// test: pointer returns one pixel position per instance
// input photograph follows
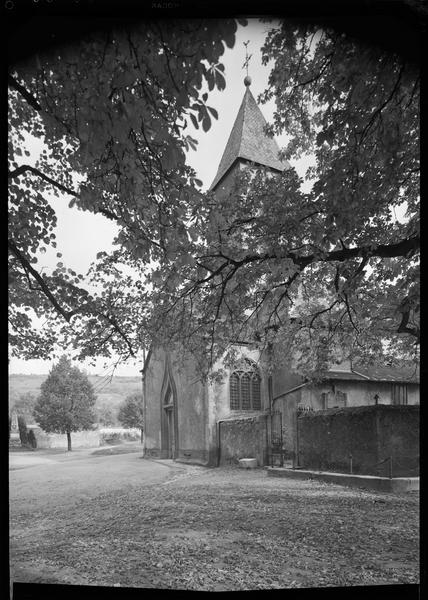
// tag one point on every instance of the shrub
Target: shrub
(32, 440)
(111, 436)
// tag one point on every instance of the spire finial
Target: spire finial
(247, 80)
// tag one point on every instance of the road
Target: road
(43, 478)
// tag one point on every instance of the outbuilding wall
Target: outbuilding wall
(370, 434)
(358, 393)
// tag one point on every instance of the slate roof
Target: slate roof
(403, 374)
(344, 376)
(386, 374)
(248, 141)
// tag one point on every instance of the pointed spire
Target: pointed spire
(248, 140)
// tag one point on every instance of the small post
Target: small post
(390, 467)
(350, 464)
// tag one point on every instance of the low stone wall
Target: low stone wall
(79, 439)
(371, 434)
(243, 438)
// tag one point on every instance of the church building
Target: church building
(183, 413)
(211, 423)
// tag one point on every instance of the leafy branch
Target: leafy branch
(25, 168)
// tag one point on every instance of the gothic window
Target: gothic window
(245, 387)
(245, 391)
(257, 401)
(234, 391)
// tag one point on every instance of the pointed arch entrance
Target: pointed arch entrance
(169, 415)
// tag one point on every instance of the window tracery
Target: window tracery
(245, 386)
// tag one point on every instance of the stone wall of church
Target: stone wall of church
(192, 412)
(283, 380)
(219, 403)
(190, 443)
(226, 186)
(151, 403)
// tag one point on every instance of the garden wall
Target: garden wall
(371, 434)
(243, 438)
(79, 439)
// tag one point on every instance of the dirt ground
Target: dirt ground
(122, 520)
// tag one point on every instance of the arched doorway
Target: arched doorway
(169, 421)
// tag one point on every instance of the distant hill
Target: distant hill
(109, 393)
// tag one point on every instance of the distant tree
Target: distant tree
(106, 417)
(24, 405)
(66, 401)
(130, 412)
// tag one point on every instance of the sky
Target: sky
(81, 235)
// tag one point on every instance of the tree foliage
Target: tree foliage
(112, 110)
(316, 274)
(66, 400)
(130, 412)
(324, 274)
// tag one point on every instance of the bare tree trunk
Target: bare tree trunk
(68, 441)
(141, 440)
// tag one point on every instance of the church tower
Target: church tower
(247, 143)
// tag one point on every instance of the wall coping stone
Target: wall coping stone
(382, 484)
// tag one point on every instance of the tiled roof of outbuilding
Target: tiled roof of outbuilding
(344, 376)
(376, 373)
(248, 141)
(408, 374)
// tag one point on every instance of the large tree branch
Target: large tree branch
(403, 248)
(405, 328)
(24, 168)
(43, 286)
(24, 93)
(112, 320)
(378, 111)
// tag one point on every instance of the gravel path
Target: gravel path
(188, 527)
